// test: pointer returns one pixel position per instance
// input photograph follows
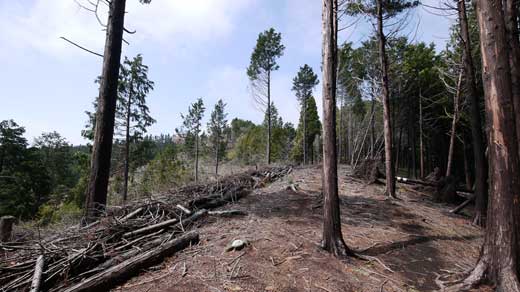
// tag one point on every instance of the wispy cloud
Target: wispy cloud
(38, 25)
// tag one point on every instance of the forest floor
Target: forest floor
(412, 243)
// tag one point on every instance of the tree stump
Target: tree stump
(6, 228)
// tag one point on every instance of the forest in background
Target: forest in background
(47, 179)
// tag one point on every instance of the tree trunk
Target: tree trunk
(127, 145)
(372, 128)
(305, 130)
(268, 117)
(96, 196)
(332, 236)
(481, 167)
(511, 19)
(216, 157)
(498, 262)
(454, 124)
(421, 143)
(197, 155)
(387, 123)
(6, 228)
(467, 172)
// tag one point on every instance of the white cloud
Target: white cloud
(39, 24)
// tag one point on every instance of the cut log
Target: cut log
(183, 209)
(167, 223)
(227, 213)
(132, 214)
(106, 279)
(463, 205)
(37, 276)
(6, 228)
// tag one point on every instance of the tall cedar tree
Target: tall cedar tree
(96, 195)
(499, 256)
(268, 48)
(332, 240)
(192, 129)
(313, 130)
(383, 10)
(303, 84)
(132, 110)
(481, 168)
(217, 128)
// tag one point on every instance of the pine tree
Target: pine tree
(305, 139)
(303, 84)
(268, 48)
(133, 114)
(217, 128)
(191, 130)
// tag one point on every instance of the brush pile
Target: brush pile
(98, 256)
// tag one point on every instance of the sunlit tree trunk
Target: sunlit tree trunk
(332, 240)
(481, 167)
(498, 262)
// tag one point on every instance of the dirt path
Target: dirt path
(413, 241)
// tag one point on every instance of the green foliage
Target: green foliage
(249, 148)
(66, 212)
(313, 130)
(191, 128)
(164, 171)
(134, 86)
(24, 181)
(131, 108)
(217, 129)
(390, 7)
(304, 83)
(268, 48)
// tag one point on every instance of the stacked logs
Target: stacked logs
(98, 256)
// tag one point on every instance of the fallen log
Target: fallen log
(183, 209)
(118, 273)
(227, 213)
(37, 276)
(463, 205)
(167, 223)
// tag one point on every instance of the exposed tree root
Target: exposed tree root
(338, 248)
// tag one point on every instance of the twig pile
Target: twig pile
(105, 252)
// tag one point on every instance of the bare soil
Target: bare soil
(412, 244)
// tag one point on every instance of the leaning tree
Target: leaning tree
(96, 196)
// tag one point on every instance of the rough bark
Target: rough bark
(481, 167)
(96, 196)
(332, 240)
(387, 123)
(511, 19)
(498, 262)
(6, 228)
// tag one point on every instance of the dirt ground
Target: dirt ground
(411, 243)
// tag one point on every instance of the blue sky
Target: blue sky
(195, 48)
